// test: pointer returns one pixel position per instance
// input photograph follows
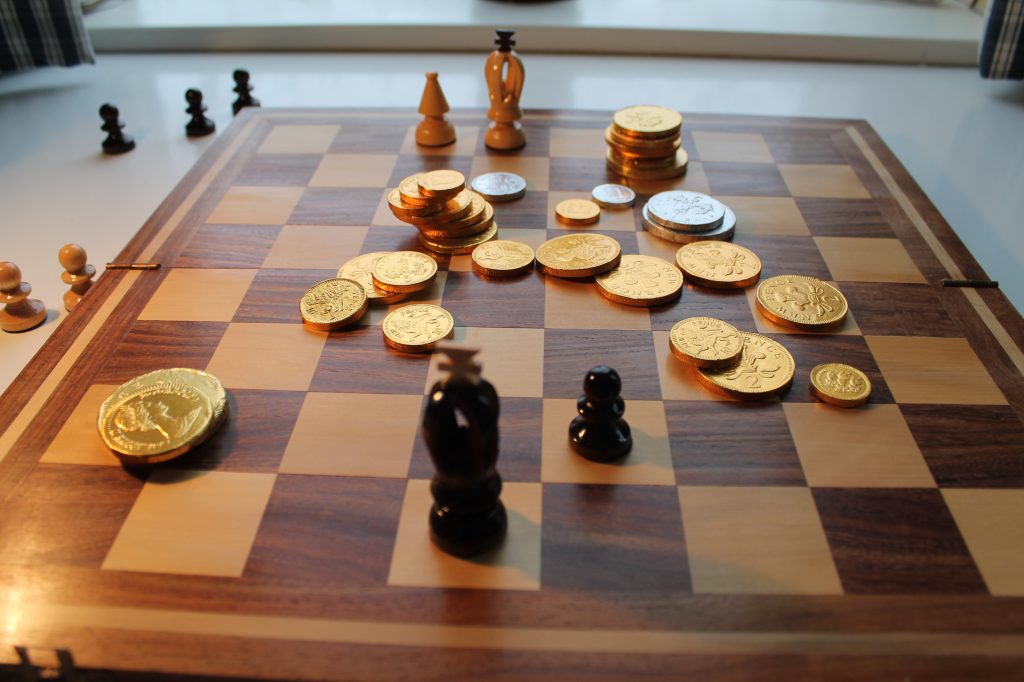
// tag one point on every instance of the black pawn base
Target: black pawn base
(125, 144)
(600, 442)
(467, 536)
(240, 104)
(200, 128)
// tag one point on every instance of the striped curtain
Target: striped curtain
(1002, 52)
(42, 33)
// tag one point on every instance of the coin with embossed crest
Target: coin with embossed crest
(332, 304)
(719, 264)
(577, 212)
(705, 342)
(578, 255)
(416, 328)
(499, 186)
(684, 210)
(801, 302)
(644, 120)
(644, 281)
(840, 384)
(613, 196)
(765, 368)
(403, 272)
(502, 258)
(358, 269)
(441, 183)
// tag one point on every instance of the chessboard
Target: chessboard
(784, 539)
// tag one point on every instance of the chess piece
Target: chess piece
(244, 90)
(117, 141)
(199, 125)
(505, 75)
(460, 428)
(20, 313)
(435, 130)
(599, 432)
(77, 273)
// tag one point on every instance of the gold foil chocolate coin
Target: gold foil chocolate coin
(839, 384)
(800, 302)
(403, 272)
(358, 269)
(502, 258)
(409, 191)
(578, 255)
(441, 183)
(719, 264)
(416, 328)
(458, 245)
(765, 368)
(333, 303)
(577, 212)
(641, 281)
(404, 211)
(644, 120)
(706, 342)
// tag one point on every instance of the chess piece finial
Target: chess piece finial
(77, 273)
(244, 90)
(117, 142)
(599, 432)
(505, 76)
(199, 125)
(460, 428)
(20, 312)
(435, 130)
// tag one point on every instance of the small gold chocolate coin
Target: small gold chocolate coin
(404, 211)
(441, 183)
(416, 328)
(403, 272)
(800, 302)
(643, 281)
(644, 120)
(718, 264)
(332, 304)
(578, 255)
(706, 342)
(459, 245)
(840, 384)
(577, 212)
(358, 269)
(765, 368)
(502, 258)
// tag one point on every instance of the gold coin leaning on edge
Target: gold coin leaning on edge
(644, 281)
(417, 327)
(706, 342)
(578, 255)
(765, 368)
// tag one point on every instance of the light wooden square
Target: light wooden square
(862, 259)
(256, 206)
(514, 565)
(738, 147)
(756, 540)
(200, 295)
(311, 247)
(823, 180)
(648, 463)
(382, 215)
(78, 441)
(354, 170)
(577, 143)
(512, 359)
(936, 371)
(610, 219)
(534, 169)
(465, 143)
(575, 304)
(677, 378)
(192, 522)
(327, 441)
(433, 294)
(767, 216)
(992, 524)
(849, 327)
(276, 357)
(301, 139)
(869, 447)
(695, 180)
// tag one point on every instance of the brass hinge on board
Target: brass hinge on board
(56, 665)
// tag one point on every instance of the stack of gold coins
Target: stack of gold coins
(450, 218)
(643, 143)
(683, 217)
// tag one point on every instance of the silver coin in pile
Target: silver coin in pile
(613, 196)
(683, 210)
(723, 232)
(499, 187)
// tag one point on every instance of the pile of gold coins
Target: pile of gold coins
(450, 218)
(643, 143)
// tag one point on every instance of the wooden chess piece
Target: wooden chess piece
(117, 141)
(199, 125)
(599, 432)
(20, 313)
(505, 75)
(435, 130)
(77, 273)
(244, 90)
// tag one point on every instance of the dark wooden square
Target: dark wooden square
(803, 146)
(228, 246)
(274, 295)
(810, 350)
(399, 239)
(788, 256)
(745, 179)
(884, 309)
(579, 175)
(336, 206)
(355, 360)
(530, 211)
(844, 218)
(279, 170)
(495, 301)
(152, 345)
(730, 305)
(570, 353)
(379, 136)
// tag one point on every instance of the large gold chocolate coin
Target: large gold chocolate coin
(332, 304)
(358, 269)
(644, 120)
(840, 384)
(403, 272)
(459, 245)
(801, 302)
(719, 264)
(578, 255)
(441, 183)
(765, 368)
(502, 258)
(577, 212)
(416, 328)
(705, 342)
(643, 281)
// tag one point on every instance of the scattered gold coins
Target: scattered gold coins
(502, 258)
(358, 270)
(641, 281)
(706, 342)
(161, 415)
(839, 384)
(416, 328)
(440, 184)
(718, 264)
(578, 255)
(801, 302)
(459, 245)
(333, 303)
(765, 368)
(403, 272)
(577, 212)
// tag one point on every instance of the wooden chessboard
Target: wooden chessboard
(780, 540)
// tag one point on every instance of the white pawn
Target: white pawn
(434, 130)
(77, 273)
(20, 313)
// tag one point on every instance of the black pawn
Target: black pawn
(117, 141)
(600, 433)
(199, 125)
(244, 90)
